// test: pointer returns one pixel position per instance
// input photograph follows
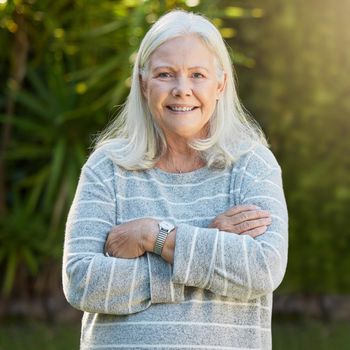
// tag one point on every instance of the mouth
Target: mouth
(181, 109)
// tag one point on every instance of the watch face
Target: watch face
(166, 226)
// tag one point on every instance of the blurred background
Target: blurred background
(65, 67)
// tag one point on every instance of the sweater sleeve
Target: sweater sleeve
(234, 265)
(93, 282)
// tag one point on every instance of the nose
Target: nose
(182, 87)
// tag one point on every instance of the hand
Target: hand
(129, 240)
(243, 219)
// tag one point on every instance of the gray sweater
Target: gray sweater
(218, 292)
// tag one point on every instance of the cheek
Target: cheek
(207, 93)
(156, 95)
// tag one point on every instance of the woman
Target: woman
(177, 235)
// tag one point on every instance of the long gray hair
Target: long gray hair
(133, 139)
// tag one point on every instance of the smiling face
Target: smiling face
(181, 87)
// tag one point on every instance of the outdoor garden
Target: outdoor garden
(65, 69)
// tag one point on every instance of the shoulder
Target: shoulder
(100, 160)
(258, 160)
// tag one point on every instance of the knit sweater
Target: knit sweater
(218, 292)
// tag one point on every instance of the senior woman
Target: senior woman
(177, 235)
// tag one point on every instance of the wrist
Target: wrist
(150, 235)
(169, 247)
(165, 228)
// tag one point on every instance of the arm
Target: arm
(93, 282)
(238, 265)
(234, 265)
(133, 238)
(241, 219)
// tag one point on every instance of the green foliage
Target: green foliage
(309, 334)
(76, 69)
(25, 241)
(298, 90)
(291, 60)
(39, 335)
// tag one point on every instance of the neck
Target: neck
(180, 158)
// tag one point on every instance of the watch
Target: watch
(165, 228)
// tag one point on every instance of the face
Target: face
(182, 87)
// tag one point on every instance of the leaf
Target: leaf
(10, 272)
(102, 30)
(40, 88)
(26, 152)
(24, 123)
(30, 260)
(33, 103)
(39, 181)
(55, 171)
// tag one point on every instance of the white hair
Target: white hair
(136, 140)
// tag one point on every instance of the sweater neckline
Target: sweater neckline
(187, 177)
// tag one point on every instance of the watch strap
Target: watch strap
(161, 237)
(164, 229)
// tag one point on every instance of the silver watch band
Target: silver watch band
(164, 229)
(158, 246)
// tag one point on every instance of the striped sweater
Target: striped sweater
(218, 292)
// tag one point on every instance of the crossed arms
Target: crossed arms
(241, 255)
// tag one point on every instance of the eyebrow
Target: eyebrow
(172, 68)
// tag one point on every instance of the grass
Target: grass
(310, 334)
(287, 335)
(26, 335)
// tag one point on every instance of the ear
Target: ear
(221, 86)
(143, 86)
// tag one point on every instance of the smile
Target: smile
(181, 108)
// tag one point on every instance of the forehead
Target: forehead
(186, 51)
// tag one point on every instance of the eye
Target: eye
(197, 75)
(164, 75)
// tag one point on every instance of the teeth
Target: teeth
(181, 109)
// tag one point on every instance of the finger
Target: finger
(252, 224)
(217, 220)
(256, 231)
(223, 223)
(114, 229)
(240, 218)
(250, 215)
(240, 208)
(240, 223)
